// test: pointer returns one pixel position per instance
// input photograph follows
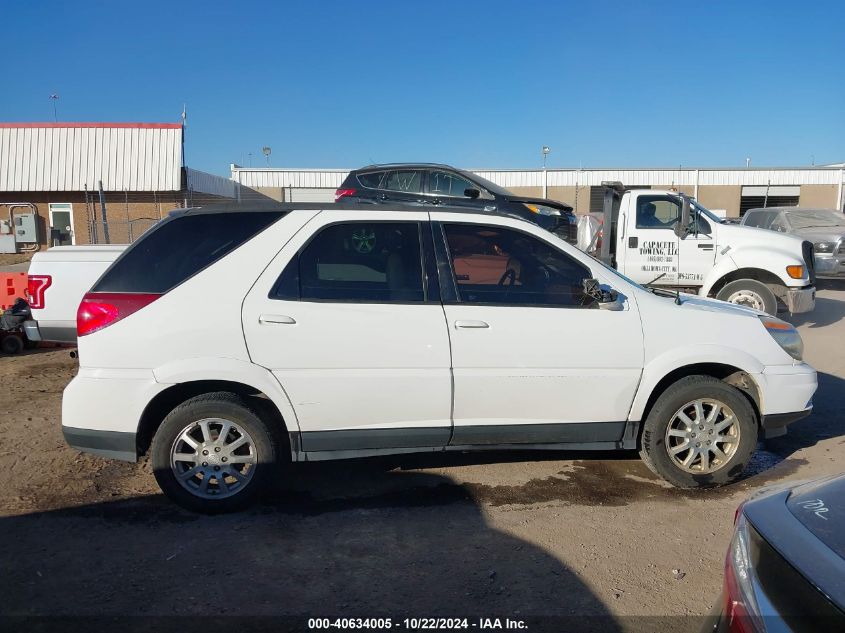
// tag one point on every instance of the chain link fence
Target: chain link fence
(123, 217)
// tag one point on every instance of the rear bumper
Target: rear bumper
(101, 410)
(112, 444)
(30, 328)
(51, 331)
(800, 300)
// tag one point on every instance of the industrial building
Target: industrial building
(82, 183)
(730, 190)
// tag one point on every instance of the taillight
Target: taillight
(344, 193)
(100, 309)
(741, 610)
(36, 285)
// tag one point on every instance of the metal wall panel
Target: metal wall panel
(69, 156)
(686, 176)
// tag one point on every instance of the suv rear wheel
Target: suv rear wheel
(701, 432)
(213, 453)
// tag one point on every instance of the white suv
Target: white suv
(227, 342)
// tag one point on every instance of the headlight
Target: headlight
(823, 247)
(786, 336)
(541, 210)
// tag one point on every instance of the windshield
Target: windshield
(807, 218)
(492, 187)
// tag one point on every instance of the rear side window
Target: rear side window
(179, 248)
(403, 180)
(357, 261)
(372, 180)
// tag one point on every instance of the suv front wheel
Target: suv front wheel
(213, 453)
(701, 432)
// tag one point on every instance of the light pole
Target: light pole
(54, 98)
(266, 150)
(545, 151)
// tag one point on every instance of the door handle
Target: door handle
(706, 247)
(276, 319)
(471, 324)
(633, 241)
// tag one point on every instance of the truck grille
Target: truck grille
(809, 260)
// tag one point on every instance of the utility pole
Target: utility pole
(545, 152)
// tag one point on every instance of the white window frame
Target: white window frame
(69, 206)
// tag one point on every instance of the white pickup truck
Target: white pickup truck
(702, 253)
(58, 278)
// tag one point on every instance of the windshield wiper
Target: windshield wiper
(675, 294)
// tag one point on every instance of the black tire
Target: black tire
(756, 289)
(654, 450)
(11, 344)
(226, 406)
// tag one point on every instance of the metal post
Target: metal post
(126, 210)
(104, 214)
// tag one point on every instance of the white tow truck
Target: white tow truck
(667, 240)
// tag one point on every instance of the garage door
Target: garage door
(754, 197)
(309, 194)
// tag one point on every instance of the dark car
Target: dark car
(785, 568)
(433, 185)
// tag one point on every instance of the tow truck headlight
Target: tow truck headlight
(541, 210)
(823, 247)
(785, 335)
(796, 272)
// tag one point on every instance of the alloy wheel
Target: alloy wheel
(213, 458)
(702, 436)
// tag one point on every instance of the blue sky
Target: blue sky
(475, 84)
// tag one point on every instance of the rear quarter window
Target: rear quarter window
(371, 180)
(179, 248)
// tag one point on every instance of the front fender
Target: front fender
(232, 370)
(773, 260)
(678, 358)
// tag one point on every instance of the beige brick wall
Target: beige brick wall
(823, 196)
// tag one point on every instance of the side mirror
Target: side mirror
(472, 192)
(606, 299)
(682, 226)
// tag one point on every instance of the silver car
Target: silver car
(825, 228)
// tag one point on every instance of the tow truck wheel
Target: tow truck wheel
(701, 432)
(750, 293)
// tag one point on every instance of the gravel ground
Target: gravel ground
(490, 534)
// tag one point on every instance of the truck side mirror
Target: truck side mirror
(682, 226)
(472, 192)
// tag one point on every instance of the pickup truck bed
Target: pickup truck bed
(64, 274)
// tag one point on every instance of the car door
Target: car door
(402, 185)
(533, 360)
(348, 318)
(654, 254)
(444, 187)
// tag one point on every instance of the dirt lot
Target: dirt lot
(484, 534)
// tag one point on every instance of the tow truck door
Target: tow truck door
(648, 247)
